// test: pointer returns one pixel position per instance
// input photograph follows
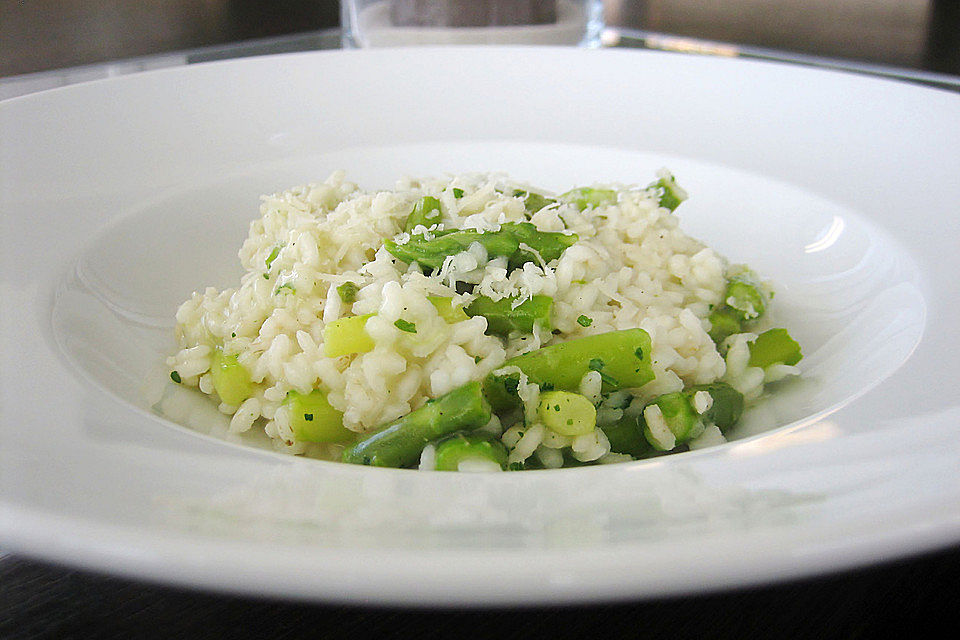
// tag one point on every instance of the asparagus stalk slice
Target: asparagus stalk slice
(584, 197)
(622, 357)
(312, 419)
(502, 317)
(533, 201)
(671, 193)
(451, 313)
(727, 406)
(400, 443)
(774, 347)
(626, 436)
(230, 380)
(347, 335)
(569, 414)
(461, 447)
(431, 253)
(426, 213)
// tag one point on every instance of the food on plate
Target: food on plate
(473, 323)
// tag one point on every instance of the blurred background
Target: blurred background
(38, 35)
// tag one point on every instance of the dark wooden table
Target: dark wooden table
(913, 597)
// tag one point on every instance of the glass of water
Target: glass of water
(391, 23)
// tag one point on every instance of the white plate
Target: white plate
(122, 196)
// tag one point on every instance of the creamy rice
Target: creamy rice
(631, 266)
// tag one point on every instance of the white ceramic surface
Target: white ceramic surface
(120, 197)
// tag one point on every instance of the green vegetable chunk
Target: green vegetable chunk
(626, 436)
(451, 313)
(746, 298)
(625, 355)
(724, 322)
(679, 414)
(671, 194)
(505, 242)
(426, 212)
(549, 244)
(774, 347)
(432, 253)
(312, 419)
(460, 447)
(400, 443)
(533, 202)
(347, 335)
(348, 292)
(569, 414)
(230, 379)
(727, 404)
(584, 197)
(502, 317)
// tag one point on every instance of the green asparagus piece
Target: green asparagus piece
(626, 436)
(774, 347)
(426, 212)
(532, 201)
(584, 197)
(724, 322)
(622, 356)
(745, 297)
(549, 244)
(567, 413)
(454, 449)
(399, 444)
(230, 380)
(348, 292)
(743, 302)
(431, 253)
(671, 194)
(451, 313)
(502, 317)
(312, 419)
(679, 414)
(727, 404)
(505, 242)
(347, 335)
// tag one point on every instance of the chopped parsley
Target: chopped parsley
(596, 364)
(639, 352)
(348, 292)
(457, 193)
(403, 325)
(286, 285)
(308, 417)
(175, 376)
(584, 321)
(273, 256)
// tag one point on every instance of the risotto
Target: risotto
(474, 323)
